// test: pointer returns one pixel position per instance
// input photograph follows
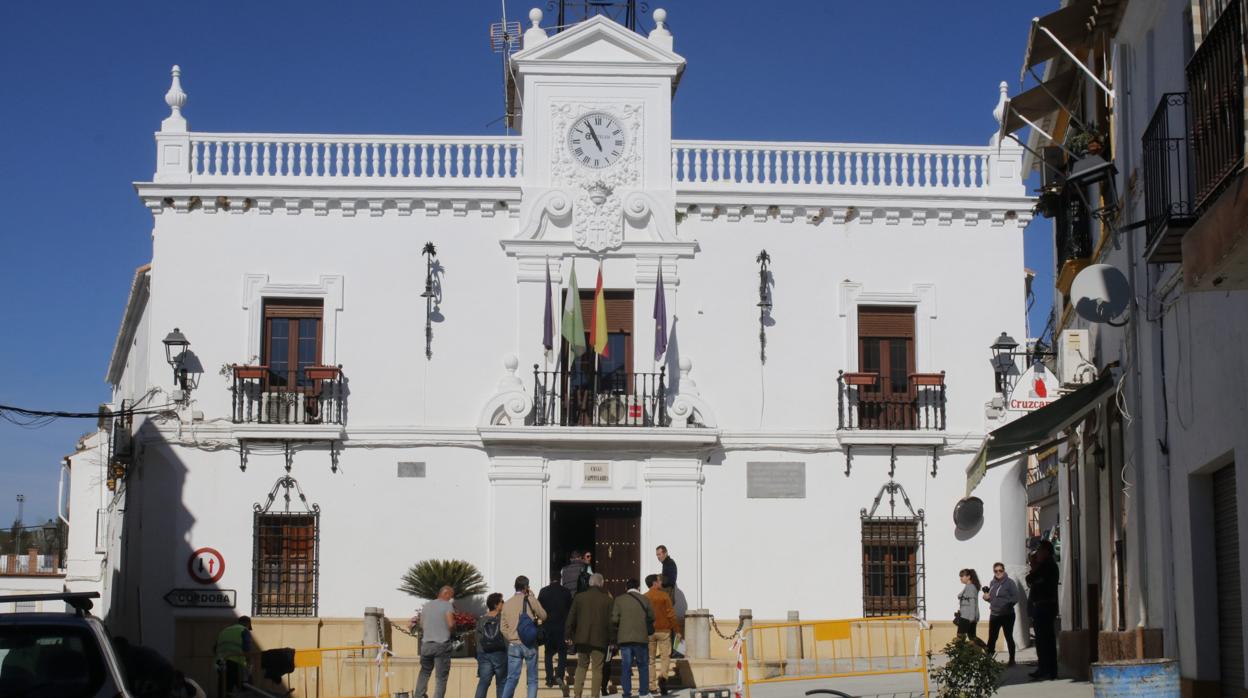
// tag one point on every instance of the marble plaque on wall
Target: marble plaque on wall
(775, 480)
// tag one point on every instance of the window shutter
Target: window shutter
(292, 308)
(619, 310)
(875, 321)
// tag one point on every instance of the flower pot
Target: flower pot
(927, 378)
(321, 373)
(861, 378)
(250, 372)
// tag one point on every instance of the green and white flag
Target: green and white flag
(573, 321)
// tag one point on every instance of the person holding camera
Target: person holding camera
(967, 616)
(1002, 596)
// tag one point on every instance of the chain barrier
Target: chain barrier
(735, 633)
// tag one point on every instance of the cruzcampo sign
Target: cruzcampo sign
(1036, 388)
(201, 598)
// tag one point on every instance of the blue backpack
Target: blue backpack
(527, 628)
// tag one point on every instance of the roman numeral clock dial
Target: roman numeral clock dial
(597, 140)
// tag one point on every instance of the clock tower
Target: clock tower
(596, 106)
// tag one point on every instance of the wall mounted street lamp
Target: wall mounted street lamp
(176, 345)
(764, 303)
(429, 252)
(1004, 352)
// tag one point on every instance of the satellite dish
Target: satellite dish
(968, 513)
(1100, 293)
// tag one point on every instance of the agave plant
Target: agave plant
(426, 577)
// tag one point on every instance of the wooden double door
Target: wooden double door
(611, 531)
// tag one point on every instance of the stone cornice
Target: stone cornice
(484, 200)
(733, 204)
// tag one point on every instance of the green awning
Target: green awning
(1031, 430)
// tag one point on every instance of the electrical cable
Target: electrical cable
(37, 419)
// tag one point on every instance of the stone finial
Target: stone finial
(660, 34)
(176, 99)
(534, 35)
(998, 112)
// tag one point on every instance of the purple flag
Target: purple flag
(660, 317)
(548, 320)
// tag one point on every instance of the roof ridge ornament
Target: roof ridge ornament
(998, 112)
(176, 99)
(534, 35)
(660, 34)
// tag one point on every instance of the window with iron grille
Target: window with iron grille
(285, 564)
(893, 578)
(891, 560)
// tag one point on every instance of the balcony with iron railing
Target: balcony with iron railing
(1168, 203)
(864, 402)
(311, 395)
(31, 564)
(1215, 85)
(617, 399)
(1041, 481)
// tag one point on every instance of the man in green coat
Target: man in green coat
(632, 623)
(234, 645)
(589, 628)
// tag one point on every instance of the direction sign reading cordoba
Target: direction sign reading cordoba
(201, 598)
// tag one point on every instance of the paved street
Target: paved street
(1017, 684)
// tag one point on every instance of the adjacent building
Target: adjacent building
(1137, 128)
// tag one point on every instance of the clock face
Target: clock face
(597, 140)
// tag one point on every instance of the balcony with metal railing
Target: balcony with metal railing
(31, 564)
(618, 399)
(311, 395)
(864, 402)
(1215, 84)
(1168, 202)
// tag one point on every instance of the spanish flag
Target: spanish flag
(598, 330)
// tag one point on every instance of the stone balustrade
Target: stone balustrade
(306, 158)
(830, 165)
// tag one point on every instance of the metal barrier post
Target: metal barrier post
(746, 616)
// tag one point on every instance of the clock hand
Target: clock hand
(594, 136)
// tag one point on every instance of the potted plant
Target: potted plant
(969, 671)
(424, 579)
(250, 372)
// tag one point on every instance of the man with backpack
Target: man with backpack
(632, 624)
(575, 575)
(491, 648)
(520, 617)
(556, 600)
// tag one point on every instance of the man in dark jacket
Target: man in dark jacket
(589, 628)
(572, 575)
(1042, 606)
(1001, 596)
(556, 600)
(632, 617)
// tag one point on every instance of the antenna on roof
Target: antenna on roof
(505, 40)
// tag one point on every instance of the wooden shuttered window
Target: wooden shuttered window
(890, 569)
(619, 310)
(292, 341)
(883, 321)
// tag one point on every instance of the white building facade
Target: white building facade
(800, 443)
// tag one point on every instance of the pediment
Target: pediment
(596, 41)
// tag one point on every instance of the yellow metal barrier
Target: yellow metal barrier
(834, 649)
(359, 671)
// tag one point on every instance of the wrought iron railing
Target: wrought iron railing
(863, 403)
(619, 399)
(1168, 203)
(261, 396)
(1215, 84)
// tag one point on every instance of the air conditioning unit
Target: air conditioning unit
(1074, 358)
(616, 410)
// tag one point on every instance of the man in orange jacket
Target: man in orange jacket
(661, 640)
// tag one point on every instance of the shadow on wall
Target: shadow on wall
(165, 593)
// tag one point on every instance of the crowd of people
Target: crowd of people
(1003, 595)
(574, 613)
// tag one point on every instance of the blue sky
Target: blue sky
(83, 84)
